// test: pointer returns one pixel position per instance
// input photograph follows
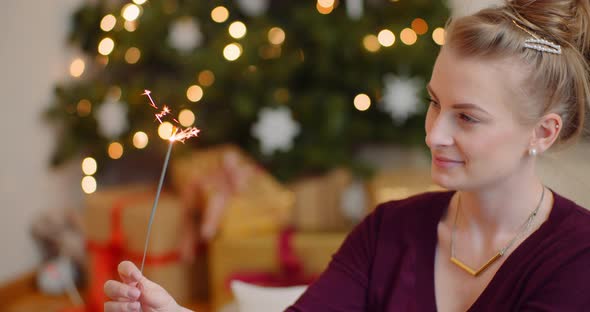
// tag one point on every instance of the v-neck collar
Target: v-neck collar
(429, 238)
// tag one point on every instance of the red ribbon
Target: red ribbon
(290, 267)
(105, 256)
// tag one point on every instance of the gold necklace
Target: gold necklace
(501, 252)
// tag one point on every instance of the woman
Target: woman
(509, 83)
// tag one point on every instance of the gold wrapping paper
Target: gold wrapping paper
(228, 256)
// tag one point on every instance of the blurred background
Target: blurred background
(310, 114)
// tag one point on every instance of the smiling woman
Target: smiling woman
(510, 83)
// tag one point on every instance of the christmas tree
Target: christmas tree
(300, 85)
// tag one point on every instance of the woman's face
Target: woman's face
(472, 129)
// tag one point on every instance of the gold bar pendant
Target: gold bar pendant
(471, 271)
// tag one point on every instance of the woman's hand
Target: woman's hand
(136, 293)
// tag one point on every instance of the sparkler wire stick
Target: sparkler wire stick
(147, 239)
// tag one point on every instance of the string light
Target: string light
(232, 51)
(130, 12)
(140, 140)
(114, 93)
(102, 60)
(276, 35)
(362, 102)
(194, 93)
(132, 55)
(219, 14)
(107, 23)
(165, 130)
(386, 38)
(130, 26)
(115, 150)
(408, 36)
(419, 26)
(84, 108)
(438, 35)
(106, 46)
(206, 78)
(323, 6)
(237, 30)
(139, 2)
(186, 118)
(89, 166)
(88, 184)
(77, 67)
(371, 43)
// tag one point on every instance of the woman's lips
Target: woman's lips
(444, 162)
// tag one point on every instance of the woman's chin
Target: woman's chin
(443, 179)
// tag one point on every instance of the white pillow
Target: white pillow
(252, 298)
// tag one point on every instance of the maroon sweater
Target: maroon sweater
(387, 263)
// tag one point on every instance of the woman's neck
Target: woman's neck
(501, 208)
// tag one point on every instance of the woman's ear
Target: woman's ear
(546, 131)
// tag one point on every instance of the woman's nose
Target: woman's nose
(438, 133)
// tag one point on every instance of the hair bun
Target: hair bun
(567, 22)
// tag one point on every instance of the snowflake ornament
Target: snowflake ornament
(253, 8)
(275, 129)
(112, 118)
(185, 34)
(401, 97)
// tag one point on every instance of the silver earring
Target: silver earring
(533, 152)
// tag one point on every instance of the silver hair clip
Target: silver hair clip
(539, 44)
(542, 45)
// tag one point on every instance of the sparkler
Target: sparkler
(178, 134)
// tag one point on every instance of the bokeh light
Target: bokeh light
(132, 55)
(130, 12)
(115, 150)
(140, 140)
(106, 46)
(371, 43)
(77, 67)
(232, 51)
(194, 93)
(408, 36)
(84, 107)
(206, 78)
(88, 184)
(386, 38)
(438, 35)
(276, 35)
(419, 26)
(165, 130)
(186, 118)
(362, 102)
(108, 22)
(237, 30)
(89, 166)
(219, 14)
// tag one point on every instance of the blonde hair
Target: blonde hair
(557, 83)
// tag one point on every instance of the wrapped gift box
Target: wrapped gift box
(233, 195)
(116, 222)
(267, 260)
(319, 202)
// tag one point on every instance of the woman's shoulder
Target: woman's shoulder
(570, 217)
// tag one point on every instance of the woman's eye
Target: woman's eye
(432, 102)
(468, 118)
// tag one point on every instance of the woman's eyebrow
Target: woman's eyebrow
(460, 105)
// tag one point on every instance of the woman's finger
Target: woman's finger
(117, 291)
(129, 273)
(111, 306)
